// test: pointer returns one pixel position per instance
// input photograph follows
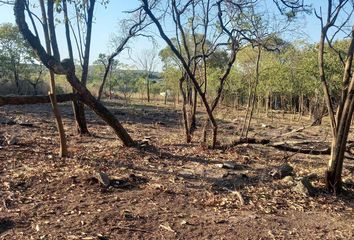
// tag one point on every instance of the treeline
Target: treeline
(288, 76)
(20, 73)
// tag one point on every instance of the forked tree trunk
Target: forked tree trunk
(253, 95)
(67, 68)
(343, 120)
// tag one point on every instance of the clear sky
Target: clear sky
(106, 23)
(107, 19)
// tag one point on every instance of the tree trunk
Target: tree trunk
(100, 110)
(184, 111)
(193, 121)
(148, 88)
(343, 119)
(63, 151)
(49, 30)
(323, 79)
(78, 108)
(79, 115)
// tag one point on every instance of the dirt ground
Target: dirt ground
(167, 189)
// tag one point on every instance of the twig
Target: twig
(293, 131)
(130, 229)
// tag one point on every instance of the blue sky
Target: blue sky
(107, 19)
(106, 23)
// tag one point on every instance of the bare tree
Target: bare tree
(146, 61)
(201, 29)
(131, 28)
(35, 83)
(264, 37)
(337, 16)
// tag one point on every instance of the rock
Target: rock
(11, 140)
(230, 165)
(304, 187)
(26, 124)
(288, 128)
(188, 174)
(127, 215)
(103, 178)
(282, 171)
(348, 181)
(289, 180)
(7, 121)
(312, 176)
(263, 125)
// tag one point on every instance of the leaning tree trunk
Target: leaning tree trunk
(100, 109)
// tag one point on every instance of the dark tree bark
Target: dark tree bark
(78, 108)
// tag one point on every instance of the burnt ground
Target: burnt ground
(168, 189)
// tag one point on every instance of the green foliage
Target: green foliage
(16, 58)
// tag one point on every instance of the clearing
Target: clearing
(166, 189)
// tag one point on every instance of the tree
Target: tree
(130, 28)
(51, 44)
(125, 81)
(147, 60)
(201, 17)
(338, 14)
(15, 54)
(66, 67)
(37, 79)
(104, 61)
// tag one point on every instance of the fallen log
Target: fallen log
(24, 100)
(286, 146)
(289, 146)
(240, 141)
